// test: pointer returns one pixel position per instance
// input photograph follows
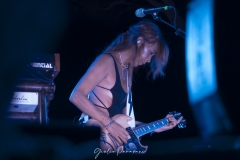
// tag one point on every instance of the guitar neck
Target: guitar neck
(147, 128)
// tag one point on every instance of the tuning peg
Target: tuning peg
(183, 121)
(181, 125)
(178, 114)
(173, 113)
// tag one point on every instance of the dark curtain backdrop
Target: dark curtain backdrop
(93, 26)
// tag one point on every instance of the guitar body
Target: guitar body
(107, 143)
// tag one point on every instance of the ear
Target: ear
(140, 40)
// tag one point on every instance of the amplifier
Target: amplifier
(42, 67)
(23, 102)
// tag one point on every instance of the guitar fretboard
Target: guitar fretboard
(147, 128)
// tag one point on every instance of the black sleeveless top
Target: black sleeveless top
(119, 95)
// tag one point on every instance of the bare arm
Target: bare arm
(95, 74)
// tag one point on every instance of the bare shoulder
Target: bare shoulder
(104, 58)
(103, 63)
(99, 70)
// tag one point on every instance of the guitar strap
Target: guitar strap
(129, 105)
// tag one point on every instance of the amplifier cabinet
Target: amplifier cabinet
(30, 102)
(23, 102)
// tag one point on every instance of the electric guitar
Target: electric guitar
(133, 144)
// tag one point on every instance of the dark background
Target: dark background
(94, 24)
(79, 30)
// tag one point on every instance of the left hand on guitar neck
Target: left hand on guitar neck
(172, 123)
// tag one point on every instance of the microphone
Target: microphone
(141, 12)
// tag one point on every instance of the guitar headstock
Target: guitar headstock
(177, 115)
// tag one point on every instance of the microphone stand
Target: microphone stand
(178, 31)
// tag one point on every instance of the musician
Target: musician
(105, 89)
